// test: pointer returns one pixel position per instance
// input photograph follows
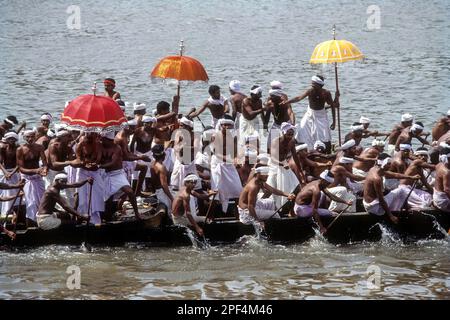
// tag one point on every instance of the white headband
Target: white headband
(377, 143)
(257, 90)
(383, 163)
(286, 126)
(318, 144)
(263, 158)
(301, 147)
(276, 92)
(357, 128)
(349, 144)
(132, 122)
(235, 85)
(108, 135)
(46, 117)
(364, 120)
(317, 80)
(324, 175)
(9, 135)
(407, 117)
(190, 178)
(416, 126)
(276, 85)
(405, 146)
(148, 119)
(346, 160)
(60, 176)
(448, 113)
(264, 170)
(138, 106)
(444, 145)
(9, 121)
(28, 132)
(421, 153)
(61, 133)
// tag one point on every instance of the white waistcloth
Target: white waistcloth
(359, 172)
(225, 179)
(441, 200)
(314, 126)
(48, 221)
(6, 205)
(180, 171)
(248, 128)
(418, 198)
(393, 199)
(129, 167)
(390, 150)
(282, 179)
(306, 210)
(265, 209)
(355, 186)
(114, 181)
(97, 201)
(34, 190)
(163, 198)
(71, 178)
(344, 194)
(237, 121)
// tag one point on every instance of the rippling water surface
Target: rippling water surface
(43, 64)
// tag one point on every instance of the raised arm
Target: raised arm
(199, 111)
(298, 98)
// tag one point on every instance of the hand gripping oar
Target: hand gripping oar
(337, 217)
(296, 190)
(209, 208)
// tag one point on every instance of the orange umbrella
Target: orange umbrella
(181, 68)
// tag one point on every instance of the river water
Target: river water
(43, 63)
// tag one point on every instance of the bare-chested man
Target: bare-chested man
(318, 154)
(47, 218)
(8, 167)
(216, 104)
(406, 121)
(59, 154)
(247, 165)
(373, 200)
(11, 198)
(235, 101)
(307, 165)
(356, 134)
(441, 127)
(8, 125)
(46, 120)
(159, 177)
(41, 137)
(308, 200)
(409, 133)
(399, 164)
(368, 158)
(441, 194)
(110, 84)
(252, 112)
(254, 210)
(28, 156)
(314, 125)
(366, 132)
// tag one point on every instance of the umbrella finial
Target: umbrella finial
(181, 47)
(94, 88)
(334, 32)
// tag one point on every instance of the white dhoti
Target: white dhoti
(282, 179)
(5, 206)
(344, 194)
(97, 201)
(355, 186)
(34, 190)
(393, 199)
(237, 120)
(248, 128)
(48, 221)
(71, 178)
(418, 198)
(306, 211)
(265, 209)
(129, 167)
(390, 150)
(314, 126)
(441, 200)
(359, 172)
(169, 160)
(180, 171)
(163, 198)
(225, 179)
(114, 181)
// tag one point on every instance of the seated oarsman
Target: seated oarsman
(122, 139)
(224, 176)
(406, 121)
(216, 104)
(312, 195)
(409, 133)
(262, 159)
(28, 157)
(281, 176)
(252, 115)
(139, 110)
(110, 85)
(8, 125)
(253, 210)
(307, 165)
(115, 179)
(349, 150)
(183, 206)
(357, 132)
(418, 198)
(319, 155)
(441, 194)
(159, 177)
(8, 167)
(88, 157)
(374, 200)
(203, 157)
(399, 164)
(141, 146)
(366, 132)
(367, 158)
(235, 100)
(58, 154)
(247, 165)
(441, 127)
(47, 218)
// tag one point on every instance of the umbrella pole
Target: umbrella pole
(338, 109)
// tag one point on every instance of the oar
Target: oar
(12, 206)
(209, 208)
(18, 211)
(85, 244)
(405, 203)
(203, 125)
(295, 191)
(337, 217)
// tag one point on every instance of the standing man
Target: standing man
(159, 177)
(235, 101)
(251, 108)
(110, 84)
(8, 167)
(216, 104)
(59, 154)
(314, 125)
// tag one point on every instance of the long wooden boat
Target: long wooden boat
(348, 228)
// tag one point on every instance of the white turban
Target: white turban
(250, 153)
(190, 178)
(11, 134)
(138, 106)
(286, 126)
(263, 170)
(148, 119)
(50, 134)
(415, 127)
(346, 160)
(61, 133)
(317, 80)
(377, 143)
(108, 135)
(349, 144)
(324, 175)
(223, 121)
(421, 153)
(301, 147)
(448, 113)
(217, 102)
(383, 163)
(444, 145)
(407, 117)
(444, 158)
(276, 92)
(46, 117)
(357, 128)
(364, 120)
(405, 146)
(235, 85)
(263, 158)
(132, 122)
(10, 122)
(276, 85)
(60, 176)
(257, 90)
(187, 122)
(318, 144)
(28, 132)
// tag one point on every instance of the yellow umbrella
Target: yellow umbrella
(336, 51)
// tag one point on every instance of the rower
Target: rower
(216, 104)
(203, 157)
(399, 164)
(282, 177)
(8, 167)
(253, 210)
(28, 156)
(366, 132)
(349, 149)
(8, 125)
(235, 100)
(409, 133)
(307, 165)
(110, 84)
(252, 107)
(46, 120)
(47, 218)
(356, 133)
(139, 110)
(373, 199)
(42, 138)
(406, 121)
(345, 185)
(441, 127)
(367, 158)
(441, 194)
(314, 125)
(308, 200)
(245, 168)
(159, 177)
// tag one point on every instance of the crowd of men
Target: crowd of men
(62, 174)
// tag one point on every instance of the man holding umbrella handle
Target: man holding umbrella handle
(314, 125)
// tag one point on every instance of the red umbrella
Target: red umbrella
(93, 113)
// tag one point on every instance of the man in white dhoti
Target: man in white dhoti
(216, 103)
(159, 177)
(253, 210)
(28, 157)
(367, 158)
(235, 101)
(406, 121)
(314, 125)
(252, 114)
(399, 164)
(8, 168)
(59, 155)
(441, 194)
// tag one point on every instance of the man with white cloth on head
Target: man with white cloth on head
(8, 169)
(28, 156)
(216, 103)
(59, 154)
(253, 210)
(409, 133)
(235, 101)
(441, 194)
(159, 177)
(406, 121)
(252, 114)
(281, 176)
(314, 125)
(399, 164)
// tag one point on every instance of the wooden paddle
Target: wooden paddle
(405, 203)
(288, 202)
(209, 208)
(337, 217)
(12, 206)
